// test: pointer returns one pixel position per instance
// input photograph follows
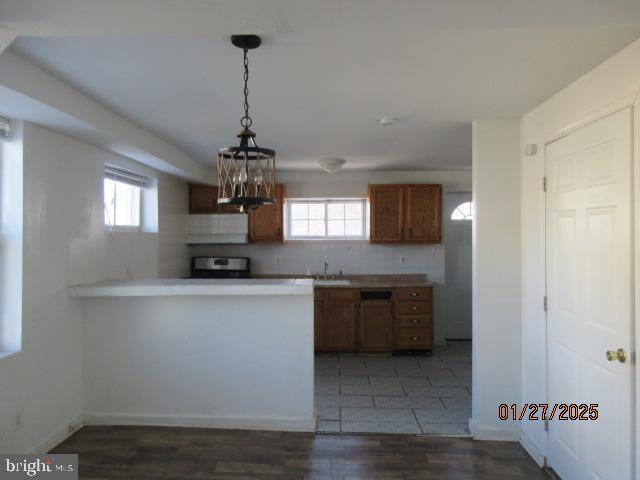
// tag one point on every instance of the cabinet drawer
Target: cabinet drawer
(341, 295)
(415, 308)
(415, 338)
(415, 321)
(422, 293)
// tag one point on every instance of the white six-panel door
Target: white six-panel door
(590, 299)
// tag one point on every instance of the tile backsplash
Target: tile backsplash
(352, 257)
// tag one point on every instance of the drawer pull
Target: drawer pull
(414, 308)
(413, 294)
(415, 339)
(415, 322)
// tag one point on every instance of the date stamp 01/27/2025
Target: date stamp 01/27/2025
(546, 411)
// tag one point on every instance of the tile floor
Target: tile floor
(428, 394)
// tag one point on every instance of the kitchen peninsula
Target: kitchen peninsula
(214, 353)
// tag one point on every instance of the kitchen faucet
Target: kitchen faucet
(326, 267)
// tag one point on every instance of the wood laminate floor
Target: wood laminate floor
(190, 453)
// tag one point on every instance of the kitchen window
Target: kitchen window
(327, 219)
(122, 199)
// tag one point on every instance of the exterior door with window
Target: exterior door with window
(590, 298)
(457, 240)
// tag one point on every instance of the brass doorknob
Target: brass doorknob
(619, 355)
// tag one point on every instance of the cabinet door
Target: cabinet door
(386, 203)
(341, 326)
(265, 223)
(319, 325)
(376, 329)
(202, 199)
(423, 213)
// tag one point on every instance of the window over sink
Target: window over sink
(326, 219)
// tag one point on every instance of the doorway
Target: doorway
(458, 218)
(590, 299)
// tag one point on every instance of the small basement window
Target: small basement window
(328, 219)
(123, 199)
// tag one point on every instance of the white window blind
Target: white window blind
(124, 176)
(5, 128)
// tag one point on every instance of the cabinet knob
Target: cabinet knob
(413, 294)
(414, 308)
(414, 322)
(415, 339)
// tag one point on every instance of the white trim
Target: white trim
(627, 100)
(533, 449)
(202, 421)
(492, 433)
(59, 436)
(636, 253)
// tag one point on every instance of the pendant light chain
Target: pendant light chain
(246, 120)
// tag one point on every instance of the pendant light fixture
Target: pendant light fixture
(246, 173)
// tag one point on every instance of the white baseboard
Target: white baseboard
(532, 449)
(59, 436)
(245, 423)
(492, 433)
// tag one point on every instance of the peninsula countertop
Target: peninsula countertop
(190, 287)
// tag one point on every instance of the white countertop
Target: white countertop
(177, 287)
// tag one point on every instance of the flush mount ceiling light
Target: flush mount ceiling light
(331, 165)
(246, 173)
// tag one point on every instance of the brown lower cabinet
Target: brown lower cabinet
(376, 330)
(345, 322)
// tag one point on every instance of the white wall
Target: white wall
(612, 85)
(173, 205)
(203, 361)
(64, 243)
(496, 275)
(352, 257)
(30, 92)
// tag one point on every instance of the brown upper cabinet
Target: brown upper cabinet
(387, 205)
(204, 199)
(406, 213)
(266, 222)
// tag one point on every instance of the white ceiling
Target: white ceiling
(326, 71)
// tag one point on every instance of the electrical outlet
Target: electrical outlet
(16, 421)
(278, 260)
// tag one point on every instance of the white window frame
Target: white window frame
(131, 179)
(326, 201)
